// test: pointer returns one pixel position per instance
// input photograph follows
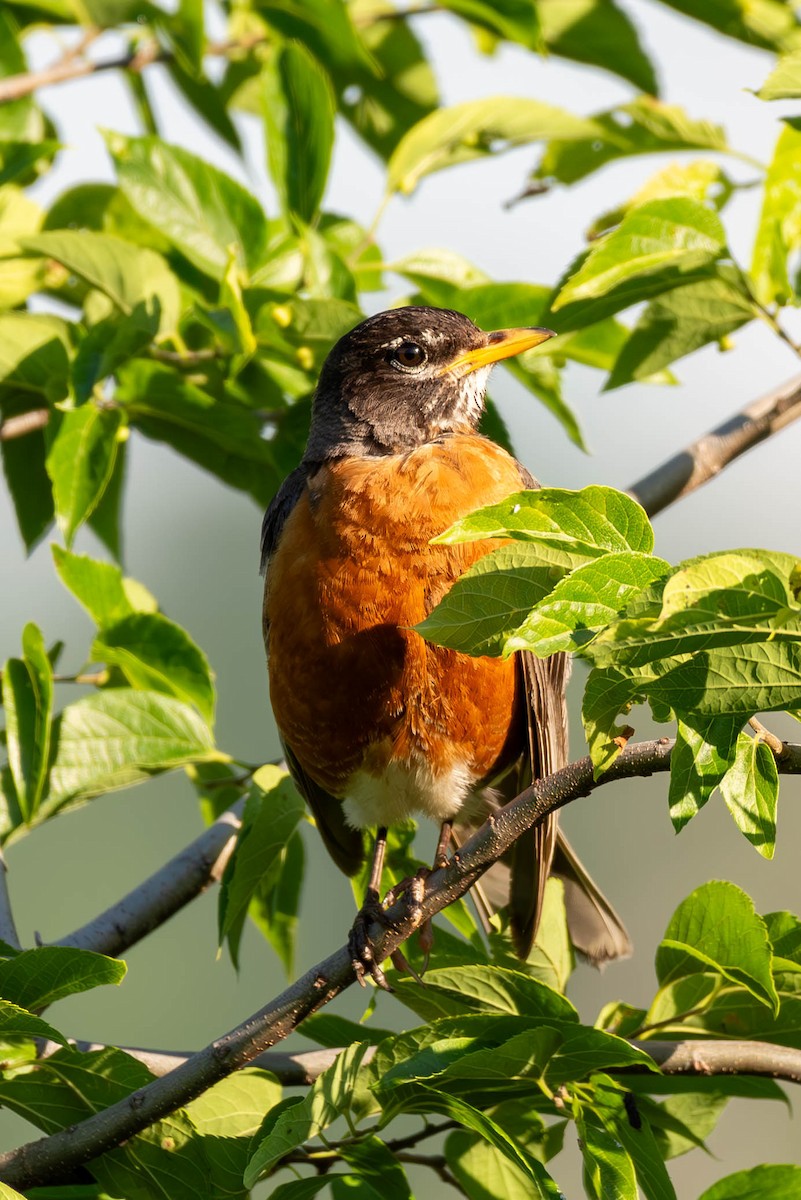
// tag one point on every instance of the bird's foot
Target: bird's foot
(362, 952)
(361, 948)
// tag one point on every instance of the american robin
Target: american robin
(377, 723)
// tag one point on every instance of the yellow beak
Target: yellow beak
(503, 343)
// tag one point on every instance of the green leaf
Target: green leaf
(770, 24)
(131, 276)
(680, 322)
(492, 599)
(607, 693)
(586, 601)
(640, 1144)
(236, 1105)
(274, 908)
(326, 28)
(199, 209)
(156, 654)
(28, 484)
(17, 1023)
(205, 98)
(105, 520)
(683, 1122)
(273, 811)
(34, 350)
(766, 1182)
(701, 179)
(80, 463)
(584, 523)
(401, 89)
(298, 106)
(784, 81)
(227, 1116)
(68, 1085)
(187, 34)
(599, 33)
(116, 737)
(8, 1193)
(376, 1165)
(488, 989)
(737, 680)
(108, 344)
(328, 1097)
(22, 119)
(667, 238)
(475, 129)
(304, 1189)
(483, 1172)
(509, 20)
(716, 928)
(99, 587)
(779, 230)
(585, 1050)
(418, 1098)
(330, 1030)
(28, 702)
(608, 1168)
(224, 438)
(37, 978)
(670, 1005)
(750, 788)
(643, 126)
(702, 755)
(718, 602)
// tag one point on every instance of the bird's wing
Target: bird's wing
(345, 845)
(278, 511)
(543, 683)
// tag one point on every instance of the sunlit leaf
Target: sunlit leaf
(716, 929)
(779, 230)
(475, 129)
(299, 125)
(750, 788)
(196, 206)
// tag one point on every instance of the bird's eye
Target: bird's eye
(408, 355)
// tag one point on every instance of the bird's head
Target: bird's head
(404, 378)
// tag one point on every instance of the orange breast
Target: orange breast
(352, 685)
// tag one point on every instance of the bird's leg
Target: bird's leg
(426, 934)
(359, 944)
(441, 852)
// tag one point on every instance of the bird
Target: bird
(377, 723)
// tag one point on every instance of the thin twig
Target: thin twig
(27, 422)
(435, 1162)
(775, 744)
(8, 929)
(68, 67)
(162, 895)
(707, 457)
(48, 1158)
(184, 358)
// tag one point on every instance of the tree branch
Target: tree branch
(8, 929)
(688, 1057)
(724, 1058)
(706, 458)
(164, 893)
(41, 1161)
(74, 66)
(27, 422)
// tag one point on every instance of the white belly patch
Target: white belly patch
(406, 789)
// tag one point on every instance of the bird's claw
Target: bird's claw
(372, 911)
(362, 954)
